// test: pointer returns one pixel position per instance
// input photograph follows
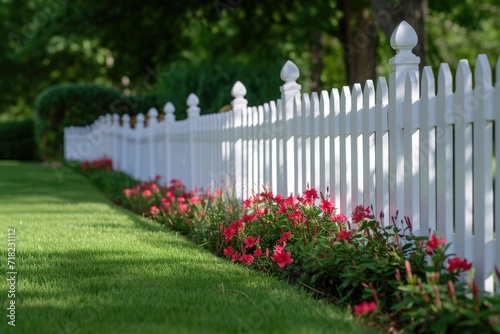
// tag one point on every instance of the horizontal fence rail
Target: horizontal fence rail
(405, 148)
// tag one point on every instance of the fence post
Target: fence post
(169, 110)
(125, 148)
(152, 127)
(239, 104)
(139, 132)
(114, 133)
(289, 74)
(403, 64)
(193, 112)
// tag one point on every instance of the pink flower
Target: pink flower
(360, 213)
(154, 188)
(248, 202)
(343, 235)
(229, 233)
(327, 206)
(457, 263)
(154, 210)
(228, 251)
(249, 218)
(284, 237)
(247, 258)
(194, 199)
(239, 225)
(249, 242)
(257, 252)
(364, 308)
(281, 257)
(235, 256)
(146, 193)
(434, 243)
(127, 192)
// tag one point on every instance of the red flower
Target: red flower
(154, 187)
(235, 256)
(339, 218)
(127, 192)
(146, 193)
(194, 199)
(343, 235)
(281, 256)
(434, 243)
(249, 218)
(247, 258)
(296, 217)
(229, 233)
(238, 225)
(249, 242)
(457, 263)
(284, 237)
(310, 195)
(248, 202)
(327, 206)
(364, 308)
(360, 213)
(228, 251)
(257, 252)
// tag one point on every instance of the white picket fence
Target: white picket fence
(400, 147)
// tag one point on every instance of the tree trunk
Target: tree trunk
(359, 43)
(317, 55)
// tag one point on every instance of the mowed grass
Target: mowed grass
(86, 266)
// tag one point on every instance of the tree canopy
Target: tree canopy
(167, 46)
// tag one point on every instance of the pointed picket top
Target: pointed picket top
(139, 121)
(428, 85)
(445, 80)
(238, 90)
(314, 103)
(482, 73)
(324, 102)
(463, 78)
(357, 97)
(289, 72)
(193, 102)
(369, 94)
(410, 93)
(126, 121)
(404, 38)
(334, 101)
(306, 104)
(497, 71)
(345, 98)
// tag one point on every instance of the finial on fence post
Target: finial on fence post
(169, 110)
(152, 116)
(116, 121)
(126, 121)
(192, 103)
(404, 63)
(238, 92)
(289, 73)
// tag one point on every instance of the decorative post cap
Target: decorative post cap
(116, 119)
(152, 116)
(193, 102)
(404, 38)
(290, 73)
(238, 92)
(169, 110)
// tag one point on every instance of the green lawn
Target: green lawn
(86, 266)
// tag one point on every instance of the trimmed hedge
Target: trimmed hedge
(71, 104)
(17, 140)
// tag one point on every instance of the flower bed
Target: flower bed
(392, 279)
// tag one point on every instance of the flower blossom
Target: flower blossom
(365, 308)
(434, 243)
(360, 213)
(228, 251)
(249, 242)
(281, 256)
(327, 206)
(457, 263)
(343, 235)
(247, 258)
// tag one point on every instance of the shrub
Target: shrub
(79, 105)
(18, 140)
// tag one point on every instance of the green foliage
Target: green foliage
(78, 105)
(18, 140)
(212, 81)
